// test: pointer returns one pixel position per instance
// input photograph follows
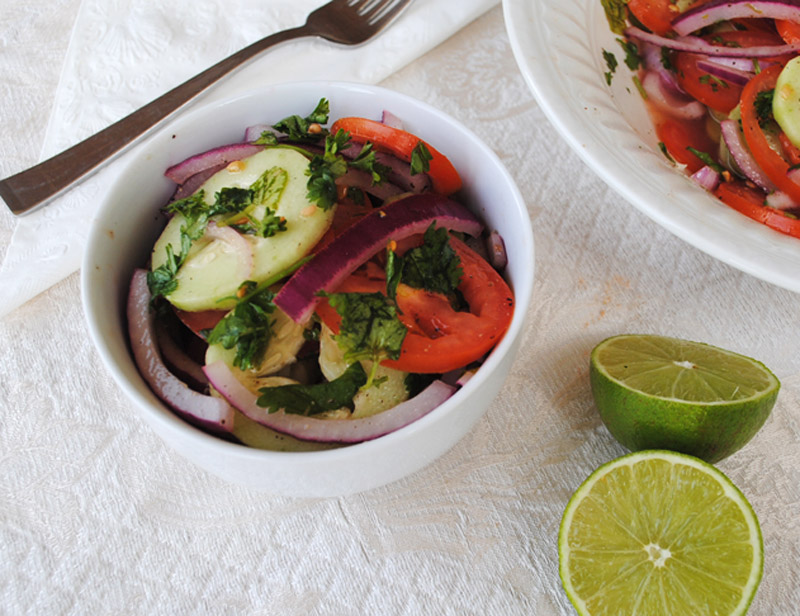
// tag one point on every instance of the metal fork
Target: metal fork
(347, 22)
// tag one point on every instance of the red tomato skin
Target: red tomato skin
(750, 202)
(679, 135)
(440, 339)
(443, 174)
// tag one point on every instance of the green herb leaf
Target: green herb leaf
(707, 159)
(616, 14)
(248, 327)
(323, 171)
(297, 128)
(370, 329)
(632, 59)
(314, 399)
(420, 159)
(763, 106)
(434, 265)
(366, 161)
(611, 63)
(161, 281)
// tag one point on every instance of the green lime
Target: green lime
(659, 532)
(655, 392)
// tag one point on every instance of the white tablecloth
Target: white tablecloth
(98, 516)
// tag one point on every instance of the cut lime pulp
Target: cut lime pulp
(658, 532)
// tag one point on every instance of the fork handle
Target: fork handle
(30, 189)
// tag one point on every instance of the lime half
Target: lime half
(659, 532)
(655, 392)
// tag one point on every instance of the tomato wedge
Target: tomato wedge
(770, 161)
(680, 135)
(439, 338)
(657, 15)
(443, 174)
(789, 31)
(750, 202)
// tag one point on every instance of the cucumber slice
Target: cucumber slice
(215, 268)
(786, 101)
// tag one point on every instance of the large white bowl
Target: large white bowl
(558, 46)
(127, 223)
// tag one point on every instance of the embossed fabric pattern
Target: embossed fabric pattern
(99, 516)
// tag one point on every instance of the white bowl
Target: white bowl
(126, 226)
(558, 45)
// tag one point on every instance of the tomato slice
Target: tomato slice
(750, 202)
(789, 31)
(790, 150)
(439, 338)
(443, 174)
(680, 135)
(657, 15)
(718, 94)
(770, 161)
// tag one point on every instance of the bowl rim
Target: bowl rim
(553, 56)
(168, 420)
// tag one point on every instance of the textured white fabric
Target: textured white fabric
(98, 516)
(124, 53)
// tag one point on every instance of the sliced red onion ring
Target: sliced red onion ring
(732, 75)
(222, 155)
(694, 44)
(242, 248)
(363, 180)
(671, 103)
(193, 183)
(207, 412)
(707, 178)
(725, 10)
(734, 141)
(326, 430)
(496, 250)
(651, 55)
(399, 219)
(392, 120)
(255, 131)
(178, 362)
(780, 201)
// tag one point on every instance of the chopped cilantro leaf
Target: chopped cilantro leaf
(420, 158)
(297, 128)
(315, 399)
(616, 13)
(370, 329)
(434, 265)
(248, 327)
(611, 63)
(763, 106)
(632, 59)
(706, 158)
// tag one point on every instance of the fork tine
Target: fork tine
(383, 11)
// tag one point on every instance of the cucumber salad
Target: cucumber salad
(721, 79)
(316, 285)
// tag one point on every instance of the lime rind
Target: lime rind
(629, 562)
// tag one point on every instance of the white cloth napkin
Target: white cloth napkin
(123, 53)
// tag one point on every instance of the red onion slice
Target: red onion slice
(255, 131)
(732, 75)
(392, 120)
(694, 44)
(222, 155)
(496, 250)
(399, 219)
(671, 103)
(734, 141)
(326, 430)
(207, 412)
(707, 178)
(780, 201)
(725, 10)
(194, 182)
(178, 361)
